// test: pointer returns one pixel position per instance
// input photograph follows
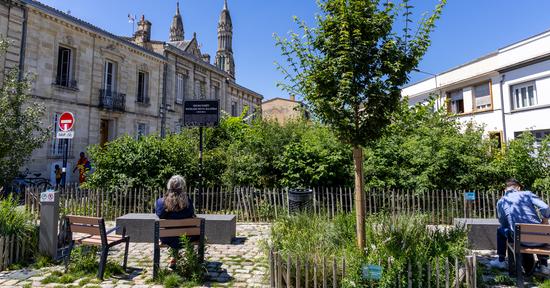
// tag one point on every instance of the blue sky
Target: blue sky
(467, 30)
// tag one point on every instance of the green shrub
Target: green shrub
(404, 239)
(188, 265)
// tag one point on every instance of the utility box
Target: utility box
(49, 220)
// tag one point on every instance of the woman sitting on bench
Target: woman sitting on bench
(174, 205)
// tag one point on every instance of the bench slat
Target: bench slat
(92, 230)
(96, 240)
(84, 220)
(535, 238)
(176, 232)
(538, 250)
(163, 223)
(535, 228)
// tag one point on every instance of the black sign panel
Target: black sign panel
(201, 113)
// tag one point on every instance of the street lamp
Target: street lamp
(436, 90)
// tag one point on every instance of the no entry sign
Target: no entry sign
(66, 121)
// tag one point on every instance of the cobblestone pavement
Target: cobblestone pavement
(241, 264)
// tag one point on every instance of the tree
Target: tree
(425, 149)
(21, 127)
(350, 70)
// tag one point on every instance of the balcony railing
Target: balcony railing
(112, 100)
(66, 82)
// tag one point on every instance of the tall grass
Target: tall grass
(401, 240)
(13, 220)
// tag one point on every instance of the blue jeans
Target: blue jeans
(504, 235)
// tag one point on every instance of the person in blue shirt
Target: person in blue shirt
(174, 205)
(515, 207)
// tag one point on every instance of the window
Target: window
(496, 136)
(56, 149)
(181, 86)
(456, 102)
(234, 109)
(141, 130)
(216, 92)
(63, 67)
(143, 87)
(524, 95)
(177, 127)
(539, 134)
(109, 78)
(202, 90)
(482, 96)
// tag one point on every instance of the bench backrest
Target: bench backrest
(179, 227)
(533, 233)
(87, 225)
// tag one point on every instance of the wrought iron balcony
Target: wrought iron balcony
(66, 82)
(112, 100)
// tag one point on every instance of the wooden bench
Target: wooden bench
(528, 233)
(177, 228)
(91, 231)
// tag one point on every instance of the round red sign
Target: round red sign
(66, 121)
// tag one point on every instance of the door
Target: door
(103, 132)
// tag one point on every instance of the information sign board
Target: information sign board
(201, 113)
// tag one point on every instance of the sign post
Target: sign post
(65, 125)
(201, 113)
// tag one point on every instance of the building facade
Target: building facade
(284, 110)
(507, 91)
(114, 85)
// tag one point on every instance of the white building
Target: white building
(508, 90)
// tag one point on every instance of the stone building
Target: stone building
(283, 110)
(114, 85)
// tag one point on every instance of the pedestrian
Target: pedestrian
(83, 166)
(175, 204)
(58, 176)
(519, 207)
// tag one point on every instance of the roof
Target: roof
(283, 99)
(489, 55)
(58, 13)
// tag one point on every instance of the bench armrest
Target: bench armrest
(116, 228)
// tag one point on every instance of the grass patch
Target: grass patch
(404, 239)
(84, 265)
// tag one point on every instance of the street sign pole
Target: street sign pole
(201, 113)
(201, 176)
(65, 156)
(65, 125)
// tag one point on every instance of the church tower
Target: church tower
(224, 55)
(176, 29)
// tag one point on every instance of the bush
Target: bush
(403, 239)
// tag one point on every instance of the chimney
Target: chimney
(143, 33)
(292, 98)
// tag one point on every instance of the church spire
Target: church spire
(224, 55)
(176, 29)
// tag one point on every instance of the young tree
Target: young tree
(21, 128)
(350, 69)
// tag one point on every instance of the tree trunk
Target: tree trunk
(359, 196)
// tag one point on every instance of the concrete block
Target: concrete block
(139, 226)
(482, 233)
(219, 229)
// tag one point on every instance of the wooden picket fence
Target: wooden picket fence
(12, 250)
(253, 204)
(289, 271)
